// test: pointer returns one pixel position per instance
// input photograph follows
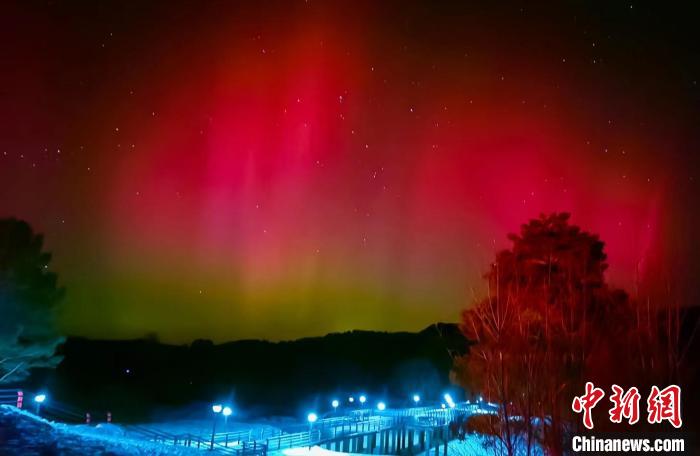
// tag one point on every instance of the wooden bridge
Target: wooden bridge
(404, 432)
(392, 432)
(400, 440)
(401, 432)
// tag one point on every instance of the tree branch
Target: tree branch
(2, 379)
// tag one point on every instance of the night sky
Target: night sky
(281, 169)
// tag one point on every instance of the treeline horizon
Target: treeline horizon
(132, 378)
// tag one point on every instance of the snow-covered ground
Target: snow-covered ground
(478, 445)
(313, 451)
(472, 445)
(22, 433)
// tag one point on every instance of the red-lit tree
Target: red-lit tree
(547, 325)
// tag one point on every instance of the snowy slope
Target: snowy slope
(22, 433)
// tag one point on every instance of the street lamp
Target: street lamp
(363, 399)
(351, 399)
(416, 399)
(311, 418)
(381, 406)
(39, 399)
(335, 405)
(449, 400)
(216, 408)
(227, 411)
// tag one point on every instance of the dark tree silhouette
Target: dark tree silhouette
(545, 328)
(28, 298)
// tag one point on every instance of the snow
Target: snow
(313, 451)
(24, 433)
(479, 445)
(472, 445)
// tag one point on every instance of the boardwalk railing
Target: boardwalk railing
(295, 440)
(51, 409)
(11, 397)
(250, 435)
(221, 446)
(57, 411)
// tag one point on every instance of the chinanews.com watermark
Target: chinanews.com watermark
(662, 406)
(600, 445)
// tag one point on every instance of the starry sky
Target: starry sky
(230, 170)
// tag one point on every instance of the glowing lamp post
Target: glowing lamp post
(38, 400)
(311, 418)
(335, 405)
(449, 401)
(363, 399)
(381, 406)
(351, 399)
(217, 409)
(416, 399)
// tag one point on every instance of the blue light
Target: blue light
(216, 408)
(416, 398)
(40, 398)
(227, 411)
(335, 403)
(449, 400)
(351, 399)
(381, 406)
(363, 399)
(312, 417)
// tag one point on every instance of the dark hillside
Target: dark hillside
(132, 377)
